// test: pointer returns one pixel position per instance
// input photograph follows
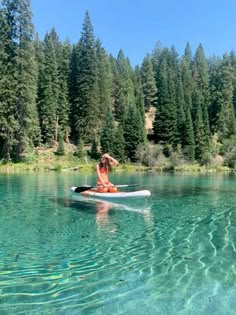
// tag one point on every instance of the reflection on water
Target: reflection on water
(102, 208)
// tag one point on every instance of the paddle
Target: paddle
(80, 189)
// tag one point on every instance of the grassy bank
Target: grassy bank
(62, 164)
(48, 160)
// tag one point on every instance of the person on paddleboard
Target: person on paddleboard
(103, 169)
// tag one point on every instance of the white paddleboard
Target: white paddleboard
(119, 194)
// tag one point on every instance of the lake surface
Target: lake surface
(171, 253)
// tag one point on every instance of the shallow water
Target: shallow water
(171, 253)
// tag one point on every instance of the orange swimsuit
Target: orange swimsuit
(104, 174)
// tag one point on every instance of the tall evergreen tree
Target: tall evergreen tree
(188, 140)
(119, 144)
(187, 78)
(232, 57)
(133, 133)
(180, 114)
(201, 77)
(64, 56)
(125, 95)
(8, 81)
(115, 83)
(140, 102)
(104, 82)
(85, 106)
(155, 57)
(73, 91)
(27, 116)
(222, 113)
(17, 49)
(200, 136)
(148, 83)
(165, 123)
(188, 55)
(107, 135)
(49, 86)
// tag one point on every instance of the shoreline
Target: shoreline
(90, 167)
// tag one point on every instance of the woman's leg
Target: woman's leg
(101, 188)
(113, 188)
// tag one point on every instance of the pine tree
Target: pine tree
(201, 77)
(148, 83)
(188, 140)
(104, 83)
(94, 154)
(19, 75)
(49, 87)
(8, 81)
(232, 57)
(200, 136)
(80, 149)
(115, 83)
(119, 144)
(132, 131)
(85, 105)
(188, 56)
(156, 57)
(125, 95)
(73, 91)
(139, 99)
(165, 123)
(180, 114)
(27, 115)
(64, 56)
(107, 135)
(61, 146)
(187, 83)
(222, 113)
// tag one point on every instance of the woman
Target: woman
(103, 169)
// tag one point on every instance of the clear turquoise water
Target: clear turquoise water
(172, 253)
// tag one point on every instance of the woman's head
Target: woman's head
(105, 162)
(104, 159)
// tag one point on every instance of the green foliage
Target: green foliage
(151, 155)
(230, 158)
(61, 147)
(85, 100)
(125, 94)
(94, 153)
(200, 137)
(119, 145)
(148, 83)
(80, 152)
(165, 124)
(107, 135)
(18, 116)
(48, 87)
(228, 145)
(104, 82)
(133, 132)
(222, 113)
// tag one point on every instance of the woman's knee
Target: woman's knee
(113, 189)
(102, 189)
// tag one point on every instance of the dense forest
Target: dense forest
(54, 92)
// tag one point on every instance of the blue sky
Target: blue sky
(135, 26)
